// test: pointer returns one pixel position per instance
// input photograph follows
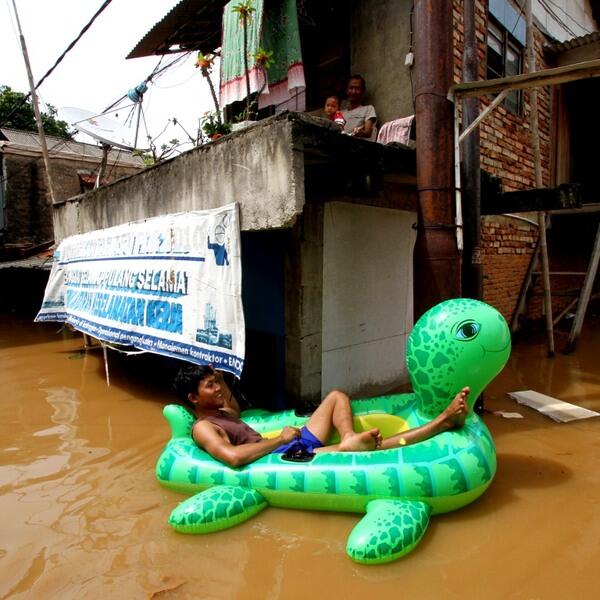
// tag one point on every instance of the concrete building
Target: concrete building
(327, 236)
(26, 217)
(328, 221)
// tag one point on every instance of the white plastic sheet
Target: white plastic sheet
(557, 410)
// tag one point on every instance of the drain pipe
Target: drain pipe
(437, 260)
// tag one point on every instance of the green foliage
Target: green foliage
(23, 117)
(147, 157)
(212, 126)
(244, 9)
(264, 58)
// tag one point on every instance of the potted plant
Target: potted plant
(211, 123)
(213, 127)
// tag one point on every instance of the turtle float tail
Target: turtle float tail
(217, 508)
(389, 530)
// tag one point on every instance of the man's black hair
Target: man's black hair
(187, 379)
(361, 79)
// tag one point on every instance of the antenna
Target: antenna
(107, 131)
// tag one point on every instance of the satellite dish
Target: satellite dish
(100, 127)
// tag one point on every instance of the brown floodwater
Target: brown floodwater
(83, 517)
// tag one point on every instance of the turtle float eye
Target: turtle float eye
(467, 330)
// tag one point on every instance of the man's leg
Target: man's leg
(453, 417)
(335, 412)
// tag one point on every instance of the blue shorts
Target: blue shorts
(307, 442)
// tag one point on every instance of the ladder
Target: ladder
(582, 300)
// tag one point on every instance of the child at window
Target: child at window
(332, 111)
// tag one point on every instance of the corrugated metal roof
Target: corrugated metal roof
(42, 260)
(190, 25)
(29, 140)
(576, 42)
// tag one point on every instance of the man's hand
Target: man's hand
(289, 434)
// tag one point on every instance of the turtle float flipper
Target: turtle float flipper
(389, 530)
(217, 508)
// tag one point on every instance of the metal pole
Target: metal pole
(137, 125)
(102, 167)
(105, 352)
(535, 142)
(36, 108)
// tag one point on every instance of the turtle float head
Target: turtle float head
(456, 343)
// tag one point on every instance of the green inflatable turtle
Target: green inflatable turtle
(458, 342)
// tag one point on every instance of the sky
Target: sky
(95, 72)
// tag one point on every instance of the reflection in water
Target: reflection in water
(83, 517)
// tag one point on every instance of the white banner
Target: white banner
(170, 285)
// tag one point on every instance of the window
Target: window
(505, 48)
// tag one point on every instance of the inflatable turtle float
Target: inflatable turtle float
(456, 343)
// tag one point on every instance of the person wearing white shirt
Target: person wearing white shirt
(360, 118)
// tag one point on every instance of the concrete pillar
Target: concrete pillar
(304, 308)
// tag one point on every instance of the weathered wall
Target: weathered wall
(28, 213)
(259, 168)
(28, 210)
(380, 42)
(368, 300)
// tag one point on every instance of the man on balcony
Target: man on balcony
(360, 118)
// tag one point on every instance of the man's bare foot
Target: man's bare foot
(455, 413)
(358, 442)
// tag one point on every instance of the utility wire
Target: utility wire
(60, 58)
(557, 18)
(70, 46)
(518, 17)
(156, 72)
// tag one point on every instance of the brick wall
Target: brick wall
(28, 209)
(506, 152)
(28, 215)
(507, 246)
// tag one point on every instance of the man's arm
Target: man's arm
(366, 129)
(370, 117)
(217, 444)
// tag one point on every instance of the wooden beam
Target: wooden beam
(553, 76)
(586, 292)
(566, 196)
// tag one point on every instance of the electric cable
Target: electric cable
(59, 59)
(156, 72)
(560, 21)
